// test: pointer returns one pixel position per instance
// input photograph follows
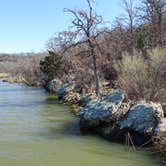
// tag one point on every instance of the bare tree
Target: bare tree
(130, 14)
(126, 24)
(61, 41)
(86, 25)
(130, 20)
(154, 12)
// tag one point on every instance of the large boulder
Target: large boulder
(52, 86)
(85, 99)
(141, 122)
(101, 111)
(65, 89)
(143, 118)
(118, 119)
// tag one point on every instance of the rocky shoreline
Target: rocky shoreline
(113, 116)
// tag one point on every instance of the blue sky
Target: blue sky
(26, 25)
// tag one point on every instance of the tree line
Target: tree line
(129, 55)
(88, 53)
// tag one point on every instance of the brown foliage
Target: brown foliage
(143, 78)
(24, 67)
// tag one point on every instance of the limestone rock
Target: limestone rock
(54, 84)
(102, 110)
(65, 89)
(143, 118)
(162, 127)
(85, 99)
(72, 97)
(51, 86)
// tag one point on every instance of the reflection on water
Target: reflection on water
(37, 130)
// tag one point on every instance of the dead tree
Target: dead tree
(86, 25)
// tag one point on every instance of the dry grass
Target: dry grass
(4, 75)
(160, 145)
(143, 78)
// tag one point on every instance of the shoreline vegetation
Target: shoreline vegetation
(77, 102)
(66, 93)
(21, 68)
(115, 79)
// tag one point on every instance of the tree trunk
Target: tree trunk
(97, 81)
(96, 75)
(160, 29)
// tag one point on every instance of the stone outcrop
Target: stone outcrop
(141, 122)
(65, 89)
(101, 111)
(67, 92)
(143, 118)
(54, 84)
(114, 118)
(85, 99)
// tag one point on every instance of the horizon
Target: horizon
(26, 26)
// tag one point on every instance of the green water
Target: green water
(36, 130)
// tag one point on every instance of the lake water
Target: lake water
(38, 130)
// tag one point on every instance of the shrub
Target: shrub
(31, 74)
(84, 81)
(143, 79)
(53, 65)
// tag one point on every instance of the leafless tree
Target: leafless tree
(86, 24)
(60, 41)
(130, 17)
(125, 26)
(130, 20)
(154, 12)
